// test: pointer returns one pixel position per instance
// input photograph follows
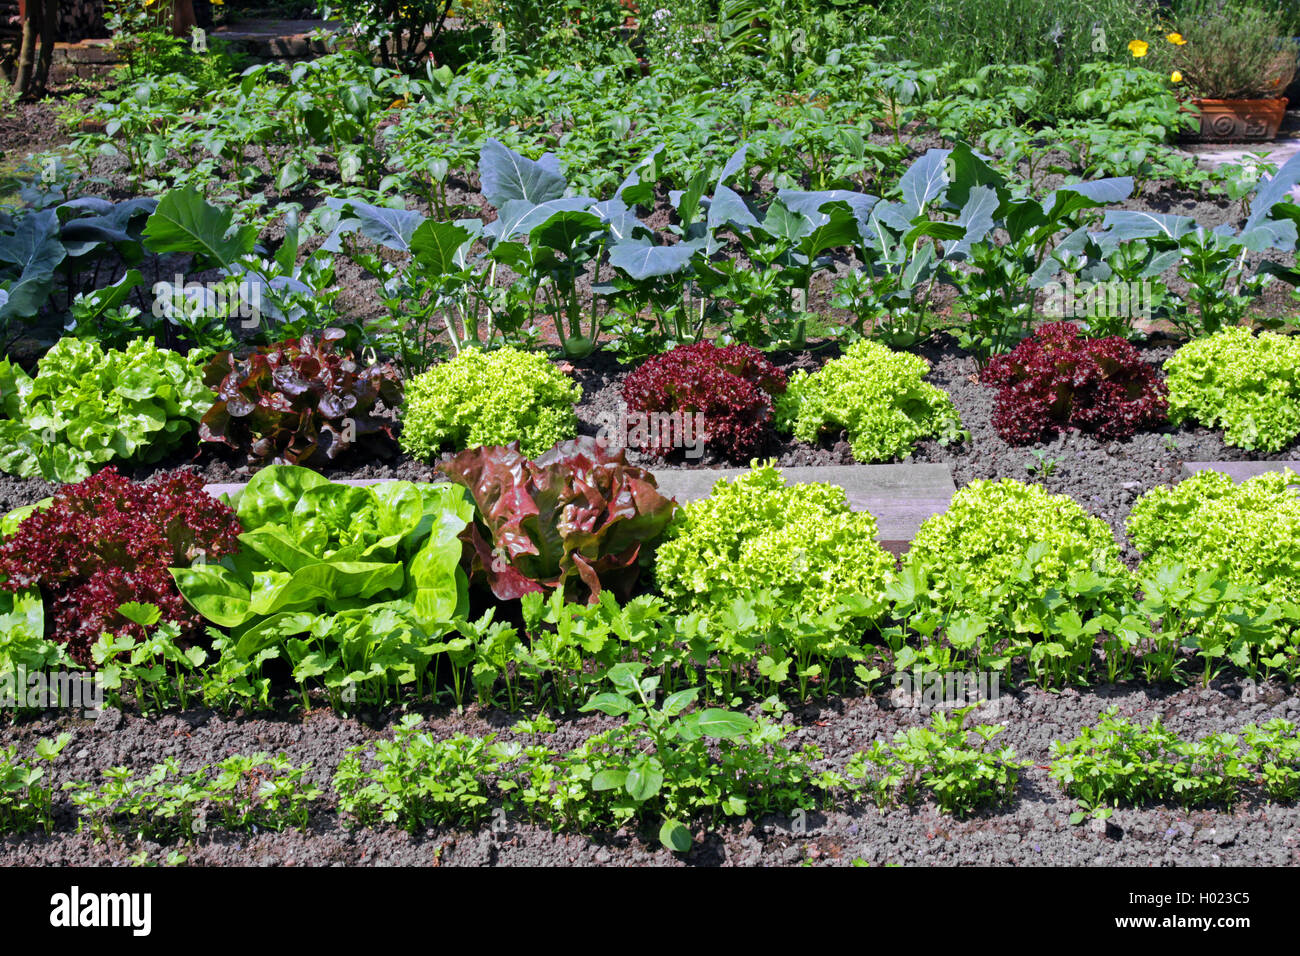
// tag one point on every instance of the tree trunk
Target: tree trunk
(183, 18)
(49, 34)
(40, 20)
(29, 13)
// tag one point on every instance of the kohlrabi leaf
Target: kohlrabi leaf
(506, 176)
(185, 222)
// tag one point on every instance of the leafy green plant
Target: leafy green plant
(1117, 761)
(963, 779)
(874, 393)
(1274, 751)
(1041, 464)
(658, 759)
(1235, 542)
(417, 780)
(909, 246)
(577, 519)
(1000, 289)
(163, 669)
(1215, 264)
(259, 292)
(1248, 385)
(24, 802)
(755, 534)
(85, 407)
(242, 792)
(575, 645)
(489, 398)
(439, 281)
(23, 644)
(351, 585)
(774, 582)
(58, 238)
(1002, 546)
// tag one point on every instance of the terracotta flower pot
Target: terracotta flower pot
(1237, 121)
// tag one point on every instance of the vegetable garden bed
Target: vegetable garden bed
(623, 464)
(1035, 830)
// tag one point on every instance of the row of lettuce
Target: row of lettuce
(305, 401)
(525, 581)
(670, 767)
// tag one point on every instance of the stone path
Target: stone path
(1287, 144)
(900, 496)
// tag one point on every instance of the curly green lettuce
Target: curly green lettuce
(1248, 385)
(801, 543)
(1248, 532)
(87, 407)
(1002, 545)
(874, 393)
(489, 398)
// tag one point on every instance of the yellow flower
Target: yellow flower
(1137, 47)
(1176, 39)
(1176, 76)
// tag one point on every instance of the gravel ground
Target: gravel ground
(1033, 830)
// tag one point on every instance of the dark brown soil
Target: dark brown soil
(28, 128)
(1033, 830)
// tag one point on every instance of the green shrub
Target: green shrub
(1247, 533)
(800, 543)
(1002, 545)
(877, 395)
(1248, 385)
(87, 407)
(489, 398)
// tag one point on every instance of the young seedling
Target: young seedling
(1042, 465)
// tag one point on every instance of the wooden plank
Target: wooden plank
(900, 496)
(1239, 470)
